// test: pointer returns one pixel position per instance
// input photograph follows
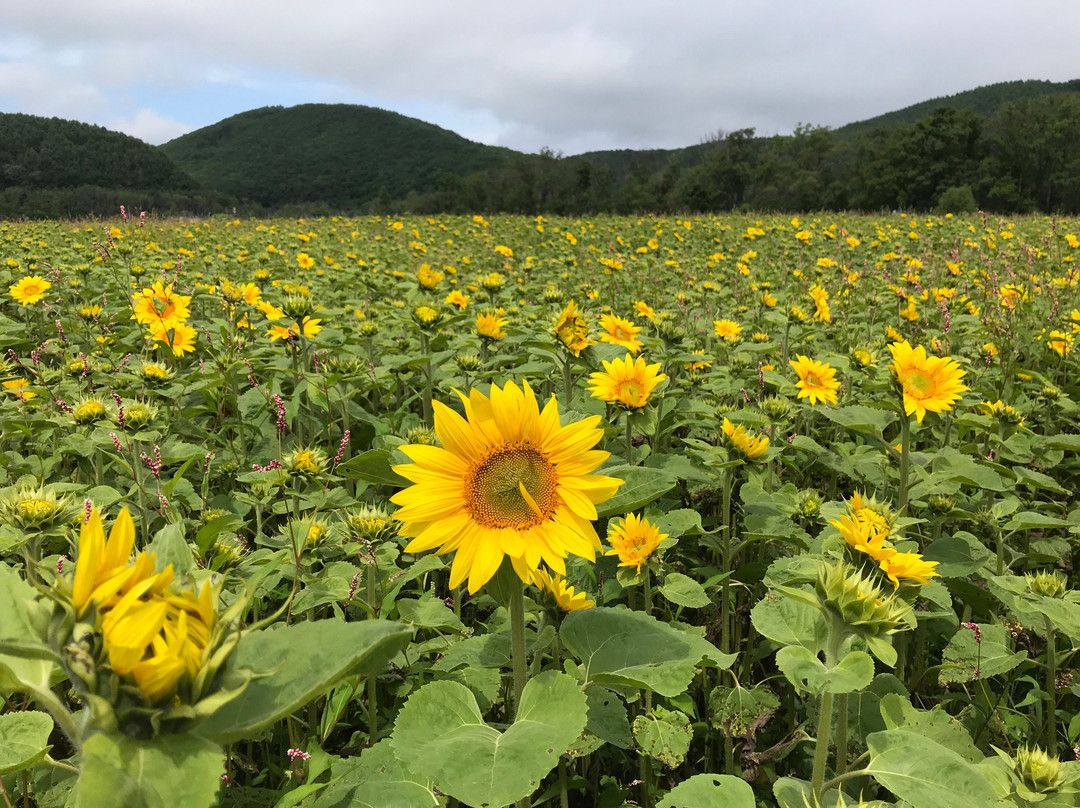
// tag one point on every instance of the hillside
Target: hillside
(982, 101)
(342, 155)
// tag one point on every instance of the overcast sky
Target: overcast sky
(574, 75)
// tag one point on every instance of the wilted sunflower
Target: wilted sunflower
(931, 383)
(817, 380)
(620, 331)
(507, 481)
(626, 382)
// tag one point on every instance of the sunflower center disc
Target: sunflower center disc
(918, 382)
(630, 392)
(493, 487)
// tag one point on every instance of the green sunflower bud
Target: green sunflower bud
(1037, 770)
(854, 601)
(1049, 584)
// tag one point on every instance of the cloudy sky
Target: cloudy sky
(574, 75)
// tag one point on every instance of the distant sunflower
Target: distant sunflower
(620, 331)
(565, 597)
(727, 329)
(633, 540)
(817, 380)
(507, 481)
(931, 383)
(626, 382)
(572, 330)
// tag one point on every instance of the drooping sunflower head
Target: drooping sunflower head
(748, 446)
(907, 567)
(627, 383)
(572, 330)
(817, 380)
(929, 383)
(563, 594)
(508, 481)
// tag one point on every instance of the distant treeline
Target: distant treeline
(1024, 157)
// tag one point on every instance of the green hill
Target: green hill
(341, 155)
(982, 101)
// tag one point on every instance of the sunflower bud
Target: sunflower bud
(421, 435)
(941, 504)
(368, 329)
(298, 306)
(850, 598)
(305, 461)
(776, 408)
(553, 295)
(467, 362)
(808, 504)
(1037, 770)
(1048, 584)
(370, 524)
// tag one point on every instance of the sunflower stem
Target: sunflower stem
(1051, 690)
(567, 380)
(725, 562)
(372, 684)
(905, 459)
(629, 440)
(517, 642)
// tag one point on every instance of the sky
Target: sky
(570, 75)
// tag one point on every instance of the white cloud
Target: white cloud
(36, 90)
(150, 125)
(572, 75)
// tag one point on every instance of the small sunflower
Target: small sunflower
(930, 383)
(572, 330)
(626, 382)
(817, 380)
(620, 331)
(30, 289)
(727, 329)
(564, 595)
(508, 481)
(633, 540)
(489, 326)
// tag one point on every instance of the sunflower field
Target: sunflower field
(717, 512)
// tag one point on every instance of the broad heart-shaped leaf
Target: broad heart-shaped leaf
(683, 590)
(925, 773)
(376, 779)
(302, 660)
(24, 740)
(898, 713)
(787, 621)
(641, 485)
(964, 659)
(631, 649)
(803, 669)
(170, 770)
(664, 735)
(441, 733)
(1036, 611)
(23, 622)
(710, 791)
(373, 466)
(859, 418)
(607, 717)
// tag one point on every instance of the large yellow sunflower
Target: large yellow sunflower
(626, 382)
(931, 383)
(509, 480)
(30, 289)
(817, 380)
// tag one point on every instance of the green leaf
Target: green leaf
(734, 710)
(964, 659)
(440, 732)
(631, 649)
(373, 466)
(23, 623)
(858, 418)
(958, 555)
(664, 735)
(684, 591)
(171, 547)
(166, 771)
(429, 612)
(787, 621)
(326, 650)
(641, 485)
(803, 669)
(710, 791)
(900, 761)
(607, 717)
(681, 522)
(376, 779)
(24, 740)
(1030, 520)
(899, 713)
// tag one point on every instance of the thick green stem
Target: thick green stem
(517, 642)
(647, 590)
(841, 733)
(629, 435)
(1051, 690)
(425, 349)
(372, 684)
(61, 715)
(821, 751)
(725, 561)
(567, 380)
(564, 791)
(905, 460)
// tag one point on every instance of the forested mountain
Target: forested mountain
(1010, 147)
(56, 168)
(341, 155)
